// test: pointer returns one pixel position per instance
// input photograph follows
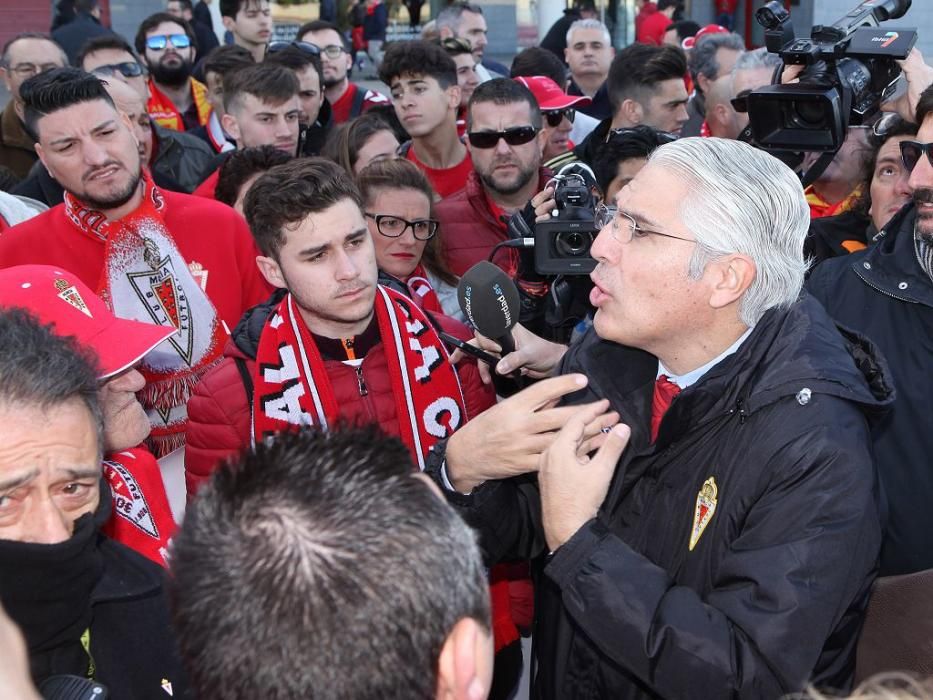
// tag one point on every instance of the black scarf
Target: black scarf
(46, 589)
(924, 254)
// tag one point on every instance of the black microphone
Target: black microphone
(489, 299)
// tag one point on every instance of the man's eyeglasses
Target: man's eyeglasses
(626, 228)
(515, 136)
(160, 41)
(303, 46)
(332, 51)
(28, 70)
(555, 116)
(130, 69)
(394, 226)
(911, 151)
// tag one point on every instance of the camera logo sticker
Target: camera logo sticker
(704, 511)
(887, 39)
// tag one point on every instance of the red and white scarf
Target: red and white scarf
(145, 278)
(422, 291)
(142, 518)
(292, 387)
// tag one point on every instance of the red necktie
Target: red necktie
(664, 392)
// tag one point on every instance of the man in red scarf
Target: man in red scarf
(154, 256)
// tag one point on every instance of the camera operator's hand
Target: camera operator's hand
(573, 484)
(508, 438)
(544, 204)
(919, 77)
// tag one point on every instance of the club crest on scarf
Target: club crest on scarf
(128, 500)
(292, 387)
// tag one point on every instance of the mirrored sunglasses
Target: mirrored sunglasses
(160, 41)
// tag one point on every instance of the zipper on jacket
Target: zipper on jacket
(359, 380)
(883, 291)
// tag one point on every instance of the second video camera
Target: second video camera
(849, 70)
(562, 245)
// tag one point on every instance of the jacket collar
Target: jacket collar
(891, 266)
(126, 574)
(13, 132)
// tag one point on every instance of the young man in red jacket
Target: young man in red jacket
(154, 256)
(335, 346)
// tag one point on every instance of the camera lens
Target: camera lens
(573, 244)
(809, 114)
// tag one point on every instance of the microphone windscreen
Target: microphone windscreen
(489, 299)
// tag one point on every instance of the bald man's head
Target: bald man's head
(129, 102)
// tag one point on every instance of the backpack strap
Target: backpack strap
(358, 98)
(247, 379)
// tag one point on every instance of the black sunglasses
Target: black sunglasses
(911, 151)
(304, 46)
(515, 136)
(556, 116)
(130, 69)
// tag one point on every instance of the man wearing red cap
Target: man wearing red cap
(160, 257)
(558, 110)
(142, 518)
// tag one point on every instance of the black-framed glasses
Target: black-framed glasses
(332, 51)
(555, 116)
(303, 46)
(624, 228)
(158, 42)
(514, 136)
(394, 226)
(129, 69)
(911, 151)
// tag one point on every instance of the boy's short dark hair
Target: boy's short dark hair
(155, 20)
(319, 25)
(241, 165)
(57, 89)
(637, 142)
(296, 60)
(420, 58)
(231, 8)
(104, 42)
(270, 84)
(924, 105)
(287, 194)
(504, 91)
(537, 61)
(637, 69)
(224, 59)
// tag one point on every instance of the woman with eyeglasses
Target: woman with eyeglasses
(397, 203)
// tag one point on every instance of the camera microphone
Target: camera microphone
(489, 299)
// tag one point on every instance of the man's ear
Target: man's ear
(270, 269)
(732, 275)
(453, 97)
(631, 111)
(230, 125)
(704, 82)
(228, 23)
(41, 153)
(445, 33)
(465, 664)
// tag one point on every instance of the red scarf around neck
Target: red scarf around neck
(428, 397)
(422, 291)
(145, 278)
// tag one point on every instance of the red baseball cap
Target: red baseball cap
(691, 41)
(61, 299)
(550, 96)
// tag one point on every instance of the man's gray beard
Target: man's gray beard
(114, 202)
(923, 196)
(524, 177)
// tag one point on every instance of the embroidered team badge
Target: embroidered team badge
(69, 293)
(199, 273)
(705, 508)
(128, 500)
(164, 298)
(167, 686)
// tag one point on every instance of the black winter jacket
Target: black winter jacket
(883, 293)
(773, 593)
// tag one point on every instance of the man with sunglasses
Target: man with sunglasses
(506, 142)
(886, 292)
(86, 25)
(24, 56)
(347, 99)
(176, 100)
(559, 112)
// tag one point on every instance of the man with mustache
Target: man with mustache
(176, 100)
(156, 256)
(506, 142)
(886, 292)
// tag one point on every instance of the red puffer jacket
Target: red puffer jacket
(469, 230)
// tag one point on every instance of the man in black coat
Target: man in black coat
(87, 606)
(86, 25)
(701, 503)
(886, 292)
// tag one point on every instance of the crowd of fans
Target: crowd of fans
(242, 456)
